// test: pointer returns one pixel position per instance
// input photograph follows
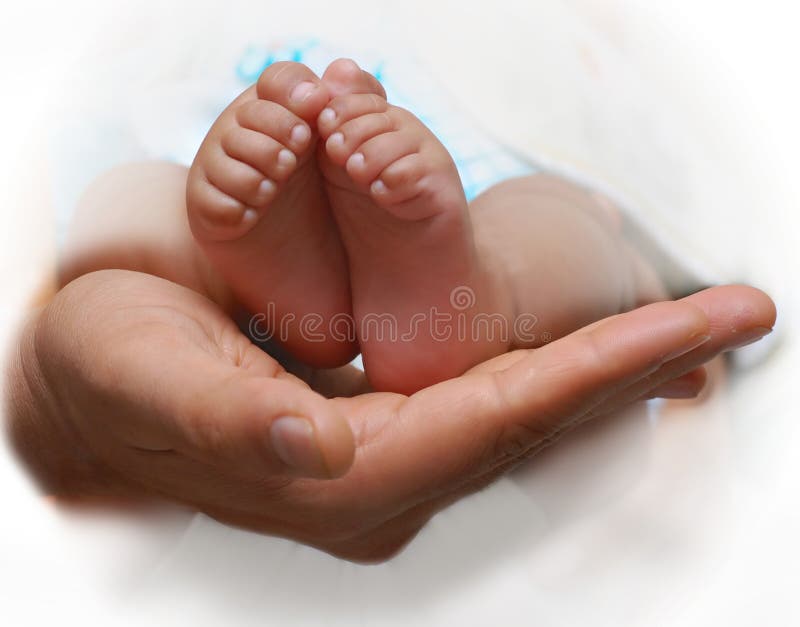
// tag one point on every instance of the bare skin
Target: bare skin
(375, 225)
(257, 206)
(130, 387)
(405, 224)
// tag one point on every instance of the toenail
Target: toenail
(300, 134)
(378, 187)
(286, 157)
(266, 188)
(302, 91)
(327, 116)
(337, 139)
(356, 161)
(249, 216)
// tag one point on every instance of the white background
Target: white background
(689, 108)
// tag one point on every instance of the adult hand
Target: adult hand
(127, 384)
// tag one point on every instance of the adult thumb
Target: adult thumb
(250, 420)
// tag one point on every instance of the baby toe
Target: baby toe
(345, 108)
(214, 215)
(376, 154)
(238, 180)
(399, 182)
(261, 152)
(295, 87)
(349, 136)
(277, 122)
(344, 76)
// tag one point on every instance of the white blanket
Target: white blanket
(630, 522)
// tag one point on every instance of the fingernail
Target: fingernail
(294, 442)
(690, 344)
(750, 337)
(302, 91)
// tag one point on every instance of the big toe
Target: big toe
(344, 76)
(294, 86)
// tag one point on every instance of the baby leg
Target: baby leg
(559, 250)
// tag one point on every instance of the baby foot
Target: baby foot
(402, 214)
(257, 206)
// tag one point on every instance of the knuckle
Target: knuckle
(587, 355)
(517, 436)
(206, 435)
(516, 439)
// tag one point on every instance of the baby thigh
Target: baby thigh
(558, 250)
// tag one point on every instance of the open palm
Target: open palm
(160, 393)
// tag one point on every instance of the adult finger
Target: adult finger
(738, 315)
(447, 434)
(688, 385)
(230, 416)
